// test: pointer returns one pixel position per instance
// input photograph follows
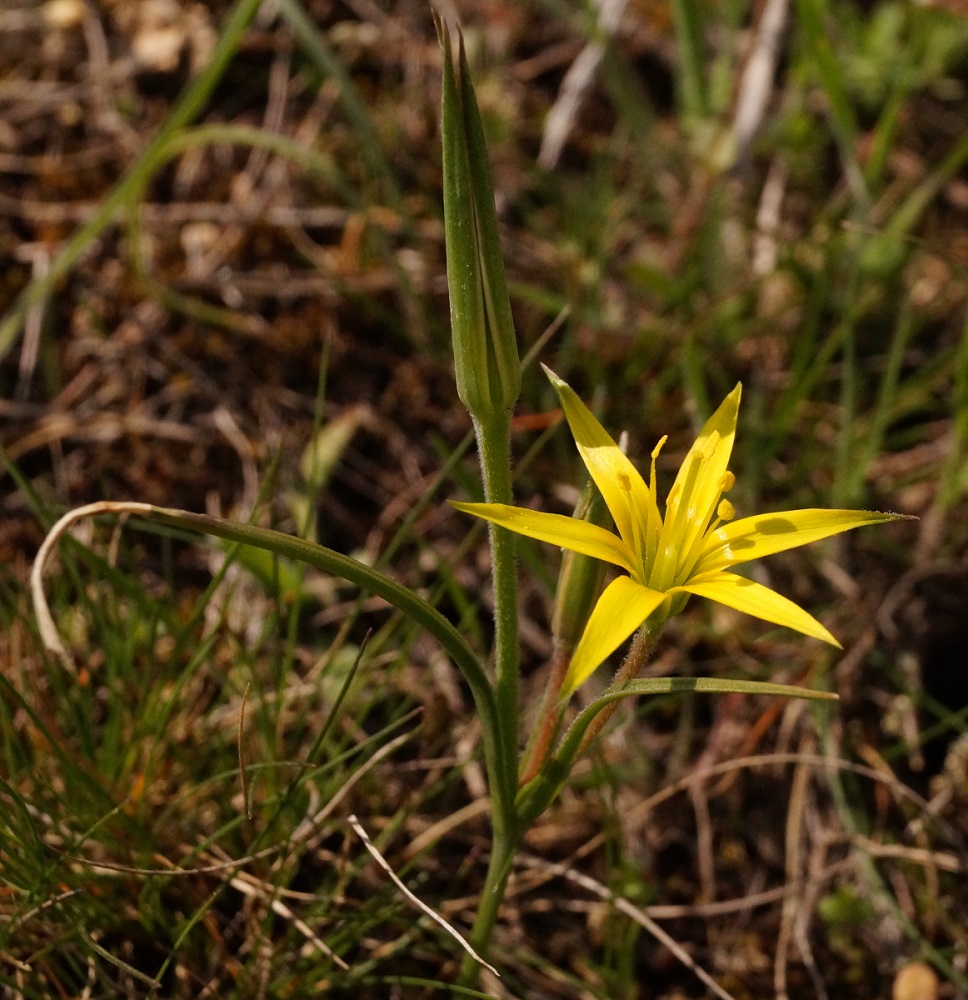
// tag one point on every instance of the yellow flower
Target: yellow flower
(668, 558)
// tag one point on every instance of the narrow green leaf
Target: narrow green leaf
(535, 797)
(830, 73)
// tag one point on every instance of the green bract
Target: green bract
(688, 550)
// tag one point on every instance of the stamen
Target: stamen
(694, 530)
(676, 527)
(724, 512)
(653, 530)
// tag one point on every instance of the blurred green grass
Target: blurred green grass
(822, 262)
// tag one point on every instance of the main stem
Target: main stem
(507, 837)
(503, 849)
(494, 448)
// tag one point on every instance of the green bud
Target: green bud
(580, 578)
(485, 348)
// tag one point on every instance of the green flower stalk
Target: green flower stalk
(689, 550)
(488, 372)
(486, 359)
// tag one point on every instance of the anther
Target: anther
(710, 446)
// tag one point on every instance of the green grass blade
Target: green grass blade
(189, 105)
(692, 89)
(829, 70)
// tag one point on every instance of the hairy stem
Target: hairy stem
(494, 447)
(633, 664)
(503, 850)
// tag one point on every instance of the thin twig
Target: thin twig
(757, 82)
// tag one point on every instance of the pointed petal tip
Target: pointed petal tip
(472, 507)
(734, 396)
(751, 598)
(552, 377)
(465, 507)
(878, 516)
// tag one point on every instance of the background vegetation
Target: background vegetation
(223, 289)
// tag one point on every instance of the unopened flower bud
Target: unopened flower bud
(486, 358)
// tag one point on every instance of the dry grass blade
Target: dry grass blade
(631, 911)
(45, 621)
(249, 887)
(562, 118)
(795, 877)
(423, 907)
(756, 85)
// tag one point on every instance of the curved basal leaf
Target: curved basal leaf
(322, 558)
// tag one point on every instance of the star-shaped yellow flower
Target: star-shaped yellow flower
(668, 558)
